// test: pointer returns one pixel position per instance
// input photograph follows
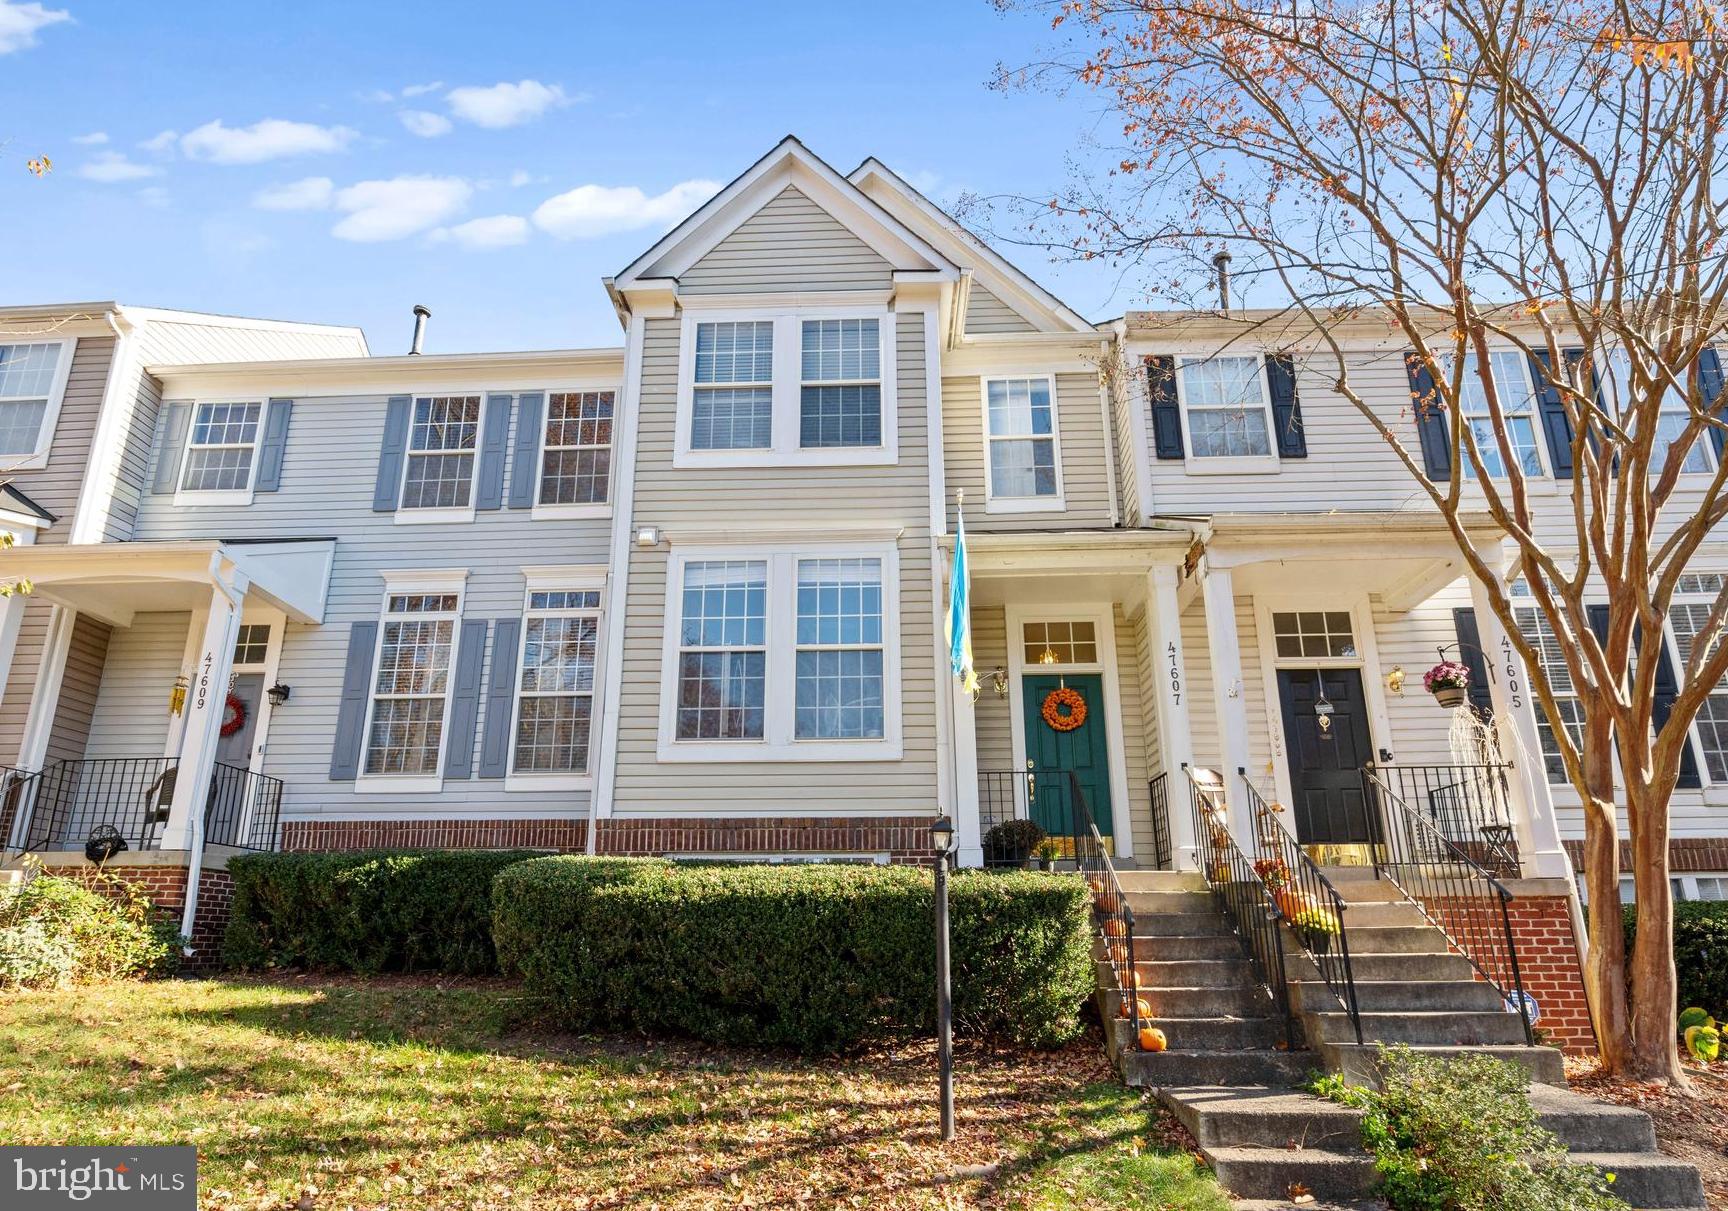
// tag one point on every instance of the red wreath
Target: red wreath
(1064, 709)
(235, 719)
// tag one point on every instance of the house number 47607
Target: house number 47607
(1175, 661)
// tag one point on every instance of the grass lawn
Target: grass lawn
(414, 1093)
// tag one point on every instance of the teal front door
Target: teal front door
(1051, 754)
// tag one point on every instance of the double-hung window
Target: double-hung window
(782, 655)
(1510, 371)
(733, 404)
(32, 382)
(1615, 380)
(1022, 444)
(1688, 616)
(555, 692)
(1536, 631)
(411, 684)
(840, 388)
(576, 466)
(1226, 408)
(223, 449)
(443, 436)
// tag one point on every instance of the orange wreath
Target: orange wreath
(1064, 709)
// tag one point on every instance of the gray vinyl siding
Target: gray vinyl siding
(987, 313)
(70, 732)
(894, 497)
(1085, 452)
(789, 244)
(132, 712)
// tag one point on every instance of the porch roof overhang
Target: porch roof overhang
(114, 582)
(1041, 568)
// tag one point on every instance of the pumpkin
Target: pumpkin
(1115, 927)
(1118, 950)
(1141, 1007)
(1293, 903)
(1152, 1039)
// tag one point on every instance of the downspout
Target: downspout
(195, 818)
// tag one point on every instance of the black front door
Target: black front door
(1326, 763)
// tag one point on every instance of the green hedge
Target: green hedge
(1700, 953)
(814, 957)
(367, 910)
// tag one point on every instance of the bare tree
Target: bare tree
(1545, 175)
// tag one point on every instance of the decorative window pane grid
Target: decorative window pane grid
(838, 665)
(1518, 407)
(556, 696)
(1699, 582)
(728, 418)
(722, 664)
(842, 351)
(1070, 642)
(1689, 620)
(218, 469)
(840, 416)
(252, 643)
(1022, 437)
(564, 599)
(28, 370)
(735, 352)
(1540, 635)
(414, 654)
(578, 463)
(840, 398)
(441, 444)
(1313, 633)
(423, 603)
(1225, 401)
(21, 425)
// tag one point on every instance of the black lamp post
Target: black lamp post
(941, 842)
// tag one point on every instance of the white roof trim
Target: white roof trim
(789, 163)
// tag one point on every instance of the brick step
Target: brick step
(1449, 1028)
(1216, 1034)
(1172, 1069)
(1396, 996)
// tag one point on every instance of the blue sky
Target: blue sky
(339, 162)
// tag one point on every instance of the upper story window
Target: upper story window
(1226, 408)
(1023, 455)
(410, 689)
(1510, 371)
(576, 462)
(32, 381)
(805, 386)
(443, 438)
(1615, 379)
(555, 693)
(1689, 616)
(222, 448)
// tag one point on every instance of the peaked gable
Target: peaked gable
(987, 313)
(790, 243)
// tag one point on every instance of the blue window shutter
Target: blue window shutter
(170, 442)
(1555, 423)
(500, 698)
(1474, 659)
(351, 712)
(1710, 387)
(274, 446)
(387, 491)
(495, 432)
(465, 700)
(1166, 413)
(1286, 407)
(1431, 424)
(525, 462)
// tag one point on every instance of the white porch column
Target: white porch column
(1539, 850)
(1175, 732)
(206, 699)
(1229, 694)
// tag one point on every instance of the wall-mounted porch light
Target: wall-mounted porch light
(279, 693)
(999, 681)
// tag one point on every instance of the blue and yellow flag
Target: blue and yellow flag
(959, 607)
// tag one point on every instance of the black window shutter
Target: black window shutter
(1430, 419)
(1710, 386)
(1475, 659)
(1555, 423)
(1286, 407)
(1166, 415)
(1667, 689)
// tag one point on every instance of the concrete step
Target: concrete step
(1180, 925)
(1395, 939)
(1269, 1172)
(1161, 880)
(1146, 903)
(1173, 1069)
(1399, 996)
(1265, 1118)
(1587, 1125)
(1422, 1029)
(1180, 948)
(1367, 915)
(1648, 1180)
(1239, 1002)
(1418, 965)
(1217, 1034)
(1197, 973)
(1357, 1062)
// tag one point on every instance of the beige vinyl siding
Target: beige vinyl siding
(790, 243)
(894, 498)
(1134, 728)
(69, 735)
(55, 487)
(132, 712)
(987, 313)
(22, 678)
(1085, 451)
(993, 716)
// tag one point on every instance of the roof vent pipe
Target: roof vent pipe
(1221, 262)
(420, 317)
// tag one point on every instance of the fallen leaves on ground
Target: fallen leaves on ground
(1692, 1128)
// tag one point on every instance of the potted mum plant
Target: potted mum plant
(1448, 681)
(1316, 927)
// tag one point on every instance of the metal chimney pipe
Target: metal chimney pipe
(420, 317)
(1222, 263)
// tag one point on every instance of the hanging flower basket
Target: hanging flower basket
(1064, 709)
(1449, 682)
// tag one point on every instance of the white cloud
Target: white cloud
(521, 177)
(401, 206)
(505, 104)
(309, 193)
(161, 142)
(425, 123)
(420, 90)
(271, 139)
(111, 167)
(19, 23)
(479, 235)
(94, 139)
(595, 210)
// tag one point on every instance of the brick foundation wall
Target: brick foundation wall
(1548, 961)
(165, 885)
(1686, 855)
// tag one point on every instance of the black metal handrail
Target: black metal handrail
(1111, 915)
(1308, 902)
(1470, 805)
(1163, 855)
(1239, 891)
(59, 806)
(244, 808)
(1461, 898)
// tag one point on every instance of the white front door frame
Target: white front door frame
(1102, 616)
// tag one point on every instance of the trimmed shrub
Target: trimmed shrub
(367, 910)
(1700, 952)
(56, 931)
(1013, 841)
(819, 958)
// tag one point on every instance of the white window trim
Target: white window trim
(185, 497)
(1247, 464)
(780, 683)
(1701, 442)
(51, 413)
(447, 580)
(574, 511)
(1539, 427)
(1671, 642)
(994, 503)
(784, 449)
(540, 579)
(404, 516)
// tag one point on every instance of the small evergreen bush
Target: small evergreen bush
(1700, 952)
(56, 931)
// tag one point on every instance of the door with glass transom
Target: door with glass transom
(1324, 711)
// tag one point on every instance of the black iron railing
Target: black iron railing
(59, 806)
(1111, 915)
(1163, 855)
(1469, 805)
(1308, 902)
(244, 809)
(1461, 898)
(1239, 891)
(1043, 797)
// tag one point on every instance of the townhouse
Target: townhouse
(687, 595)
